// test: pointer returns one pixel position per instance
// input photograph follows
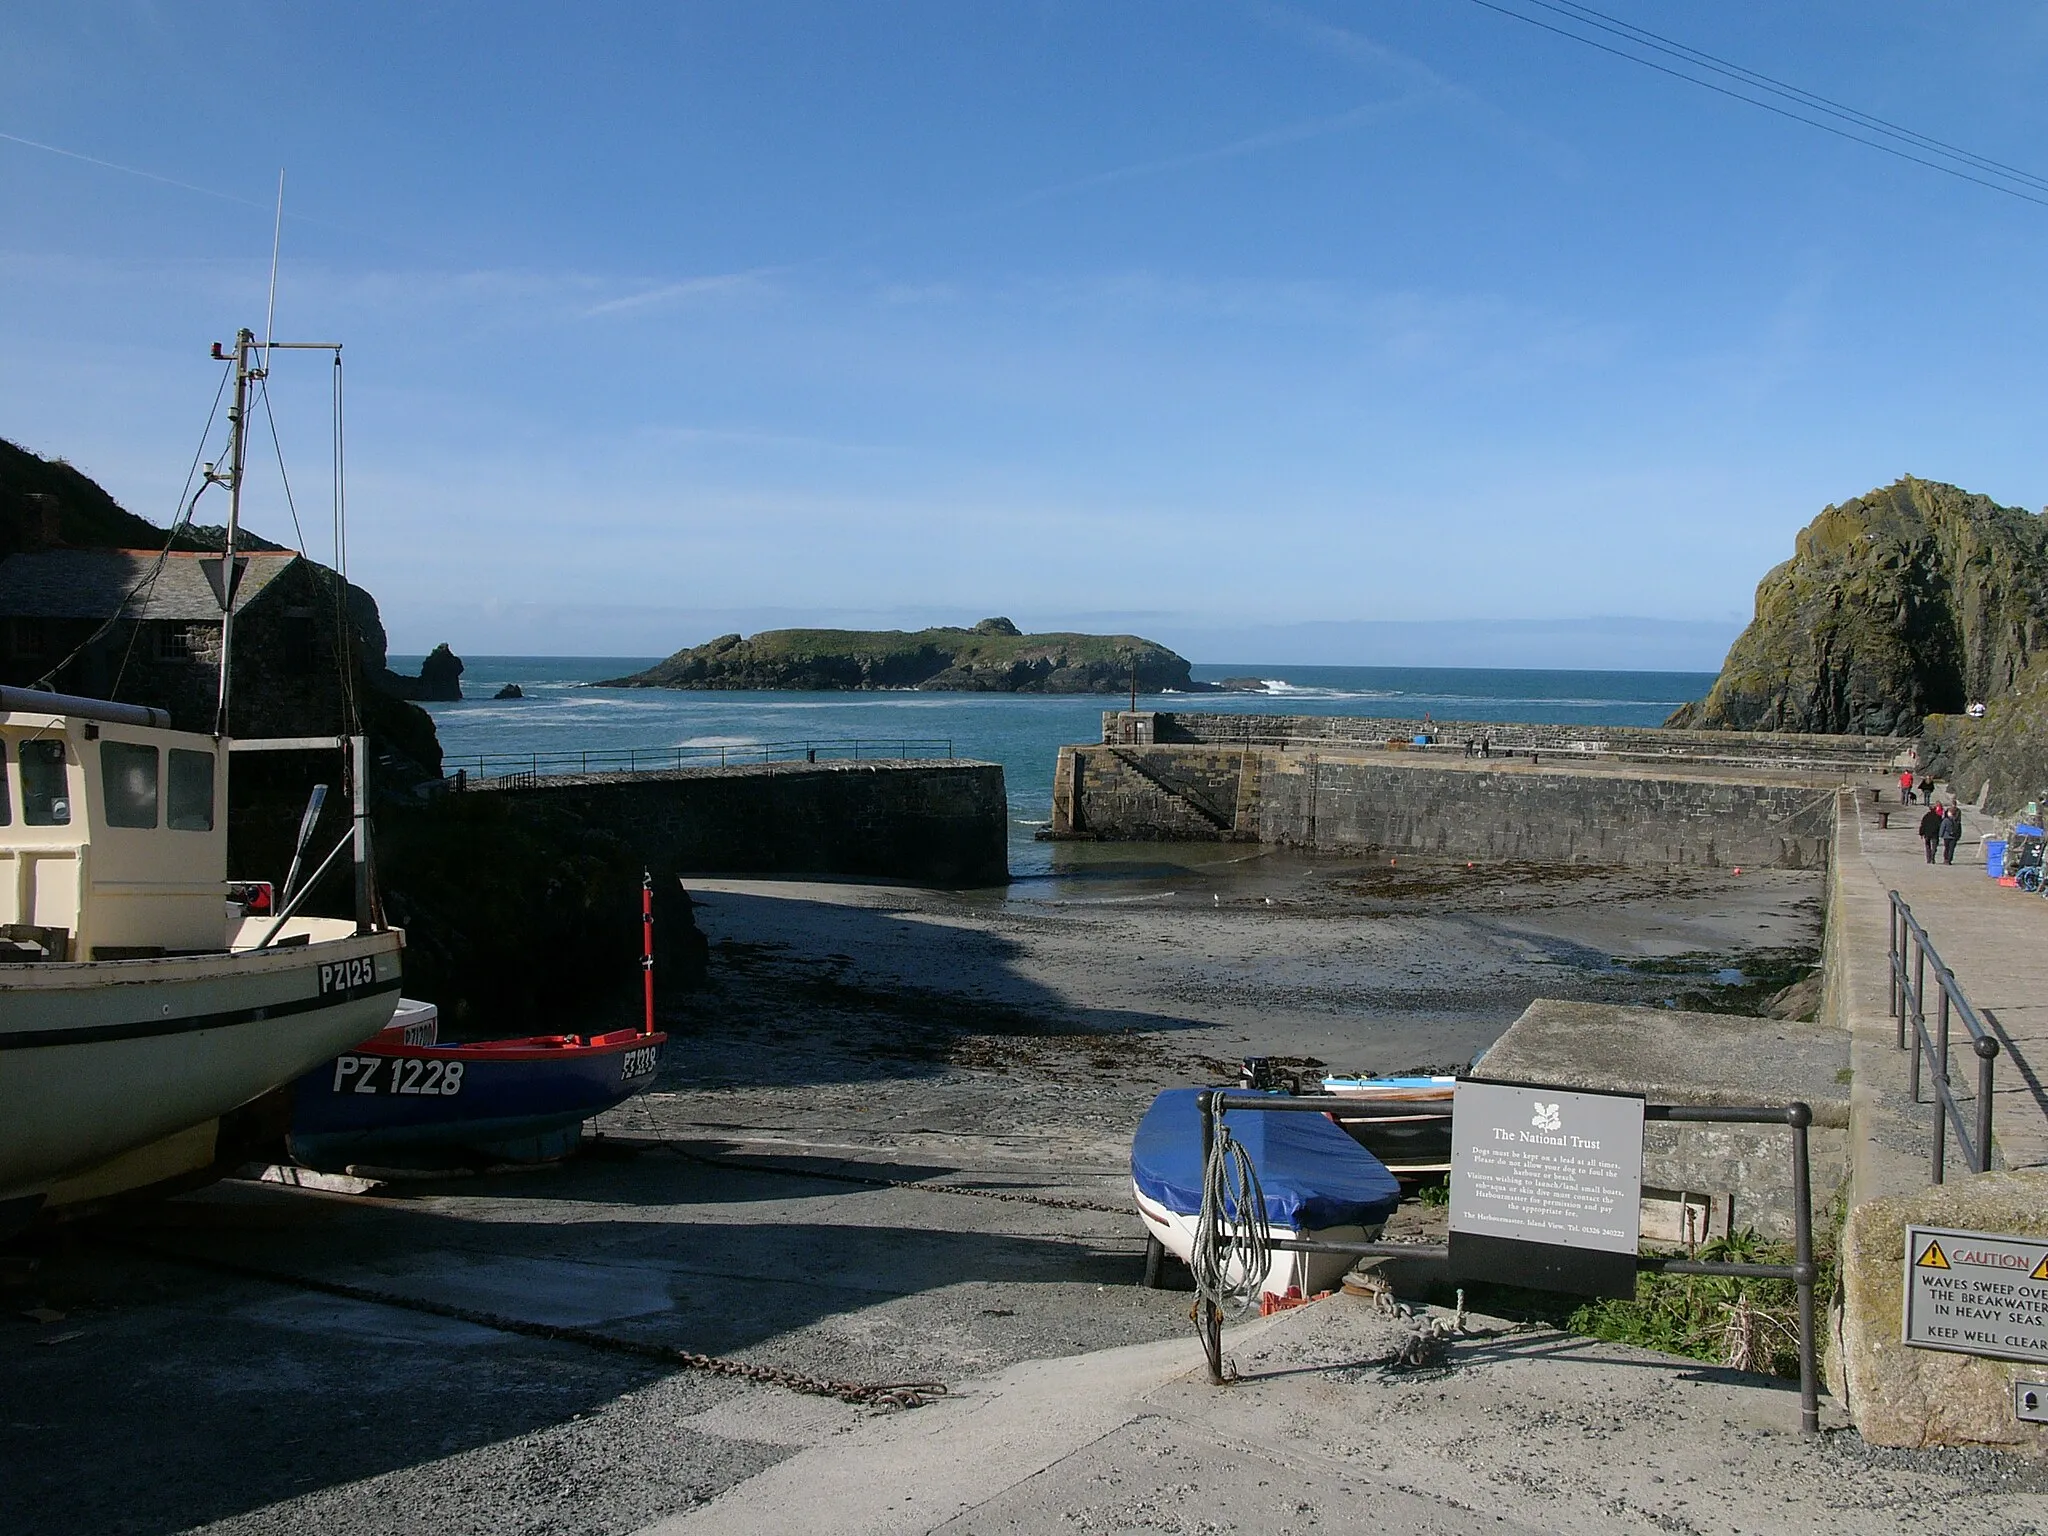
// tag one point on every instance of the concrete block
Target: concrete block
(1674, 1057)
(1920, 1397)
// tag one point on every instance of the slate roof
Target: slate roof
(91, 583)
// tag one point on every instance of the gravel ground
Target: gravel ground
(997, 1043)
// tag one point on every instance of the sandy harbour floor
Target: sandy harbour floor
(163, 1371)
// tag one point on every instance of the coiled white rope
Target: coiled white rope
(1232, 1235)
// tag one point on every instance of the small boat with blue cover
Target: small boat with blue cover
(1317, 1183)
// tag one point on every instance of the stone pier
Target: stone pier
(924, 820)
(1351, 799)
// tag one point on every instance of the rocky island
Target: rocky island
(992, 657)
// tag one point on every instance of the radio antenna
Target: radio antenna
(276, 241)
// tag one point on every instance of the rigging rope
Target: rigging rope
(284, 475)
(344, 632)
(1232, 1234)
(148, 581)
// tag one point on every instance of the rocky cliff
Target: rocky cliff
(2002, 757)
(1912, 600)
(992, 657)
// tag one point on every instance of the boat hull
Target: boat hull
(1413, 1145)
(1304, 1273)
(389, 1105)
(1314, 1183)
(99, 1058)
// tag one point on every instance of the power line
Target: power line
(1648, 39)
(2029, 183)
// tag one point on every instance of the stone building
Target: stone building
(165, 647)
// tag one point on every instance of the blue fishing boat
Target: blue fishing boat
(1317, 1183)
(402, 1101)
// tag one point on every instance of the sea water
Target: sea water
(562, 713)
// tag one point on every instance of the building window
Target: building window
(45, 796)
(190, 807)
(173, 642)
(128, 773)
(25, 637)
(5, 817)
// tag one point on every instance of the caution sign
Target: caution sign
(1977, 1293)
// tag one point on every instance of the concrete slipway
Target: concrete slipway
(1519, 1432)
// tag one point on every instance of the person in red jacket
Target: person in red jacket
(1906, 787)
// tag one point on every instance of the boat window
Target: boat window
(45, 796)
(189, 806)
(129, 772)
(5, 817)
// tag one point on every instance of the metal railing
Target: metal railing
(523, 768)
(1511, 749)
(1909, 1005)
(1802, 1271)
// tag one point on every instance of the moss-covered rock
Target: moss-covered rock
(2001, 757)
(1912, 600)
(990, 658)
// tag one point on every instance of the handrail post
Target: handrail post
(1942, 978)
(1937, 1162)
(1799, 1116)
(1892, 953)
(1916, 999)
(1987, 1053)
(1919, 972)
(1211, 1319)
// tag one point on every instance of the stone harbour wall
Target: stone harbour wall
(938, 823)
(1364, 805)
(1631, 743)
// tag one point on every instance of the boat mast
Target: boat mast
(238, 434)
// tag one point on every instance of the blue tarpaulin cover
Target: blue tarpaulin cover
(1313, 1174)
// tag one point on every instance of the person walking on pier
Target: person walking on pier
(1951, 831)
(1930, 830)
(1906, 787)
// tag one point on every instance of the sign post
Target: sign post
(1546, 1187)
(1977, 1293)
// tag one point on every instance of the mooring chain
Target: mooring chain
(890, 1394)
(1051, 1202)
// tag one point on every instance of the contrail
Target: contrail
(129, 170)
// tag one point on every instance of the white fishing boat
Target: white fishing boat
(138, 1004)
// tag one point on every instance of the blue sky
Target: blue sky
(1281, 333)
